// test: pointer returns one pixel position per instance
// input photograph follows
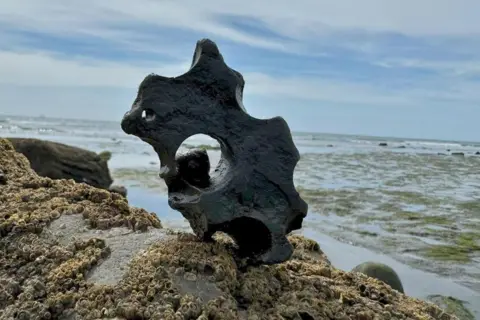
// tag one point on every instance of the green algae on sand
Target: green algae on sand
(201, 146)
(465, 244)
(453, 306)
(175, 277)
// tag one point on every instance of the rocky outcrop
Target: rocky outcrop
(60, 161)
(71, 251)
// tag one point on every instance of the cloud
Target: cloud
(43, 69)
(451, 68)
(124, 21)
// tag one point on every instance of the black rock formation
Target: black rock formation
(250, 195)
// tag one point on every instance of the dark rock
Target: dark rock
(119, 189)
(251, 195)
(401, 147)
(383, 144)
(59, 161)
(460, 154)
(381, 272)
(3, 178)
(477, 153)
(194, 167)
(330, 145)
(441, 154)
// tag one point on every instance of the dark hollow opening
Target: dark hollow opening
(252, 236)
(194, 167)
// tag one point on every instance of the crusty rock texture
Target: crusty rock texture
(56, 236)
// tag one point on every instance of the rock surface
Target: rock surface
(252, 187)
(60, 161)
(71, 251)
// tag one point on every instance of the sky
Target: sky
(407, 68)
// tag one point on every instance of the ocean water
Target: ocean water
(410, 204)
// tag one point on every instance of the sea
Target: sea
(413, 204)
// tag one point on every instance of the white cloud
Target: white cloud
(453, 67)
(301, 21)
(43, 70)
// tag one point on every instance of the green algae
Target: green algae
(341, 202)
(367, 233)
(449, 253)
(201, 146)
(470, 206)
(469, 240)
(105, 155)
(145, 178)
(411, 197)
(464, 246)
(453, 306)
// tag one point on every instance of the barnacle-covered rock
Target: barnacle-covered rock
(56, 264)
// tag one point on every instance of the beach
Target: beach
(411, 204)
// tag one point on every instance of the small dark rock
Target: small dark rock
(460, 154)
(118, 189)
(401, 147)
(330, 145)
(383, 144)
(194, 167)
(477, 153)
(3, 178)
(381, 272)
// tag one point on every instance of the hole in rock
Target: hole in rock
(197, 158)
(148, 115)
(251, 235)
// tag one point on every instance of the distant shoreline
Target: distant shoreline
(297, 133)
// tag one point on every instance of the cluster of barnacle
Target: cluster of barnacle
(29, 202)
(184, 278)
(40, 278)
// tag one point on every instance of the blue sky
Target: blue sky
(376, 67)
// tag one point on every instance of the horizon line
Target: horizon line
(293, 131)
